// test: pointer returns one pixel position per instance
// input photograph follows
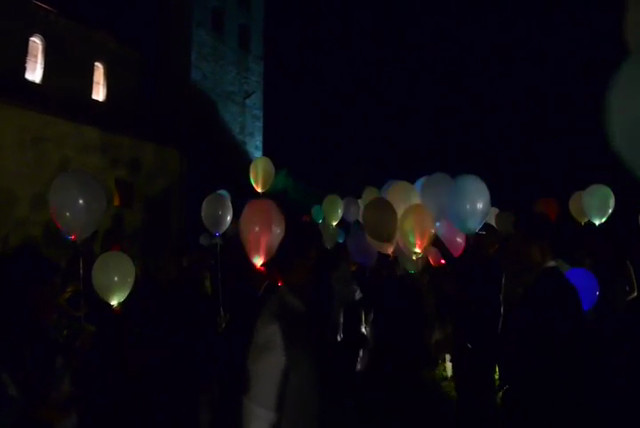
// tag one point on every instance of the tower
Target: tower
(227, 63)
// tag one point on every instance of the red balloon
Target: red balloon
(261, 230)
(453, 239)
(548, 207)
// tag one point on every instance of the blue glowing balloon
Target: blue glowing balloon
(435, 194)
(224, 193)
(586, 284)
(340, 236)
(470, 203)
(419, 183)
(317, 214)
(360, 250)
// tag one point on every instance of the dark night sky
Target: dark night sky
(358, 93)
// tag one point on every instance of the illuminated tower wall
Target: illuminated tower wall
(227, 63)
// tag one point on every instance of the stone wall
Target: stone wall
(35, 148)
(232, 78)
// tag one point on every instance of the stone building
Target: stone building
(70, 98)
(227, 63)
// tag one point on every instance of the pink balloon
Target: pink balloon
(261, 230)
(451, 236)
(435, 257)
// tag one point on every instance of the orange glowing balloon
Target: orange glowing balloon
(261, 230)
(262, 173)
(415, 229)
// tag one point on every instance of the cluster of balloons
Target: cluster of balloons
(78, 203)
(595, 204)
(403, 218)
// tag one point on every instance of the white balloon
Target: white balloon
(113, 276)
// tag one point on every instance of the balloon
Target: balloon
(360, 250)
(413, 263)
(380, 220)
(382, 247)
(261, 173)
(329, 234)
(436, 193)
(587, 285)
(341, 236)
(420, 183)
(351, 209)
(453, 239)
(470, 203)
(77, 203)
(368, 194)
(598, 202)
(217, 213)
(384, 190)
(113, 276)
(576, 208)
(332, 209)
(435, 257)
(224, 193)
(317, 214)
(415, 229)
(623, 113)
(402, 194)
(491, 218)
(548, 207)
(261, 230)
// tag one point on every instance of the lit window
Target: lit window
(99, 92)
(34, 67)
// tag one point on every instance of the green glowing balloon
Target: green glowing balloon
(332, 208)
(317, 214)
(598, 202)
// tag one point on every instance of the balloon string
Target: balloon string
(81, 288)
(220, 281)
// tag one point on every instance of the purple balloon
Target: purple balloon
(351, 209)
(359, 248)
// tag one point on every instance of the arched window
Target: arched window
(34, 67)
(99, 92)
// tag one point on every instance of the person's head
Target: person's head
(535, 236)
(297, 256)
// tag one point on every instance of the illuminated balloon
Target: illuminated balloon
(261, 230)
(587, 285)
(261, 173)
(224, 193)
(413, 263)
(491, 218)
(402, 195)
(351, 209)
(360, 250)
(317, 214)
(382, 247)
(113, 276)
(623, 113)
(341, 236)
(576, 208)
(380, 220)
(452, 238)
(435, 194)
(549, 207)
(420, 183)
(384, 190)
(217, 213)
(368, 194)
(329, 234)
(415, 229)
(332, 209)
(470, 203)
(435, 257)
(77, 203)
(598, 202)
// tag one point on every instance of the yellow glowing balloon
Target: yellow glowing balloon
(415, 229)
(332, 209)
(577, 209)
(368, 194)
(261, 174)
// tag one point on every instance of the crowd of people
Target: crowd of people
(314, 340)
